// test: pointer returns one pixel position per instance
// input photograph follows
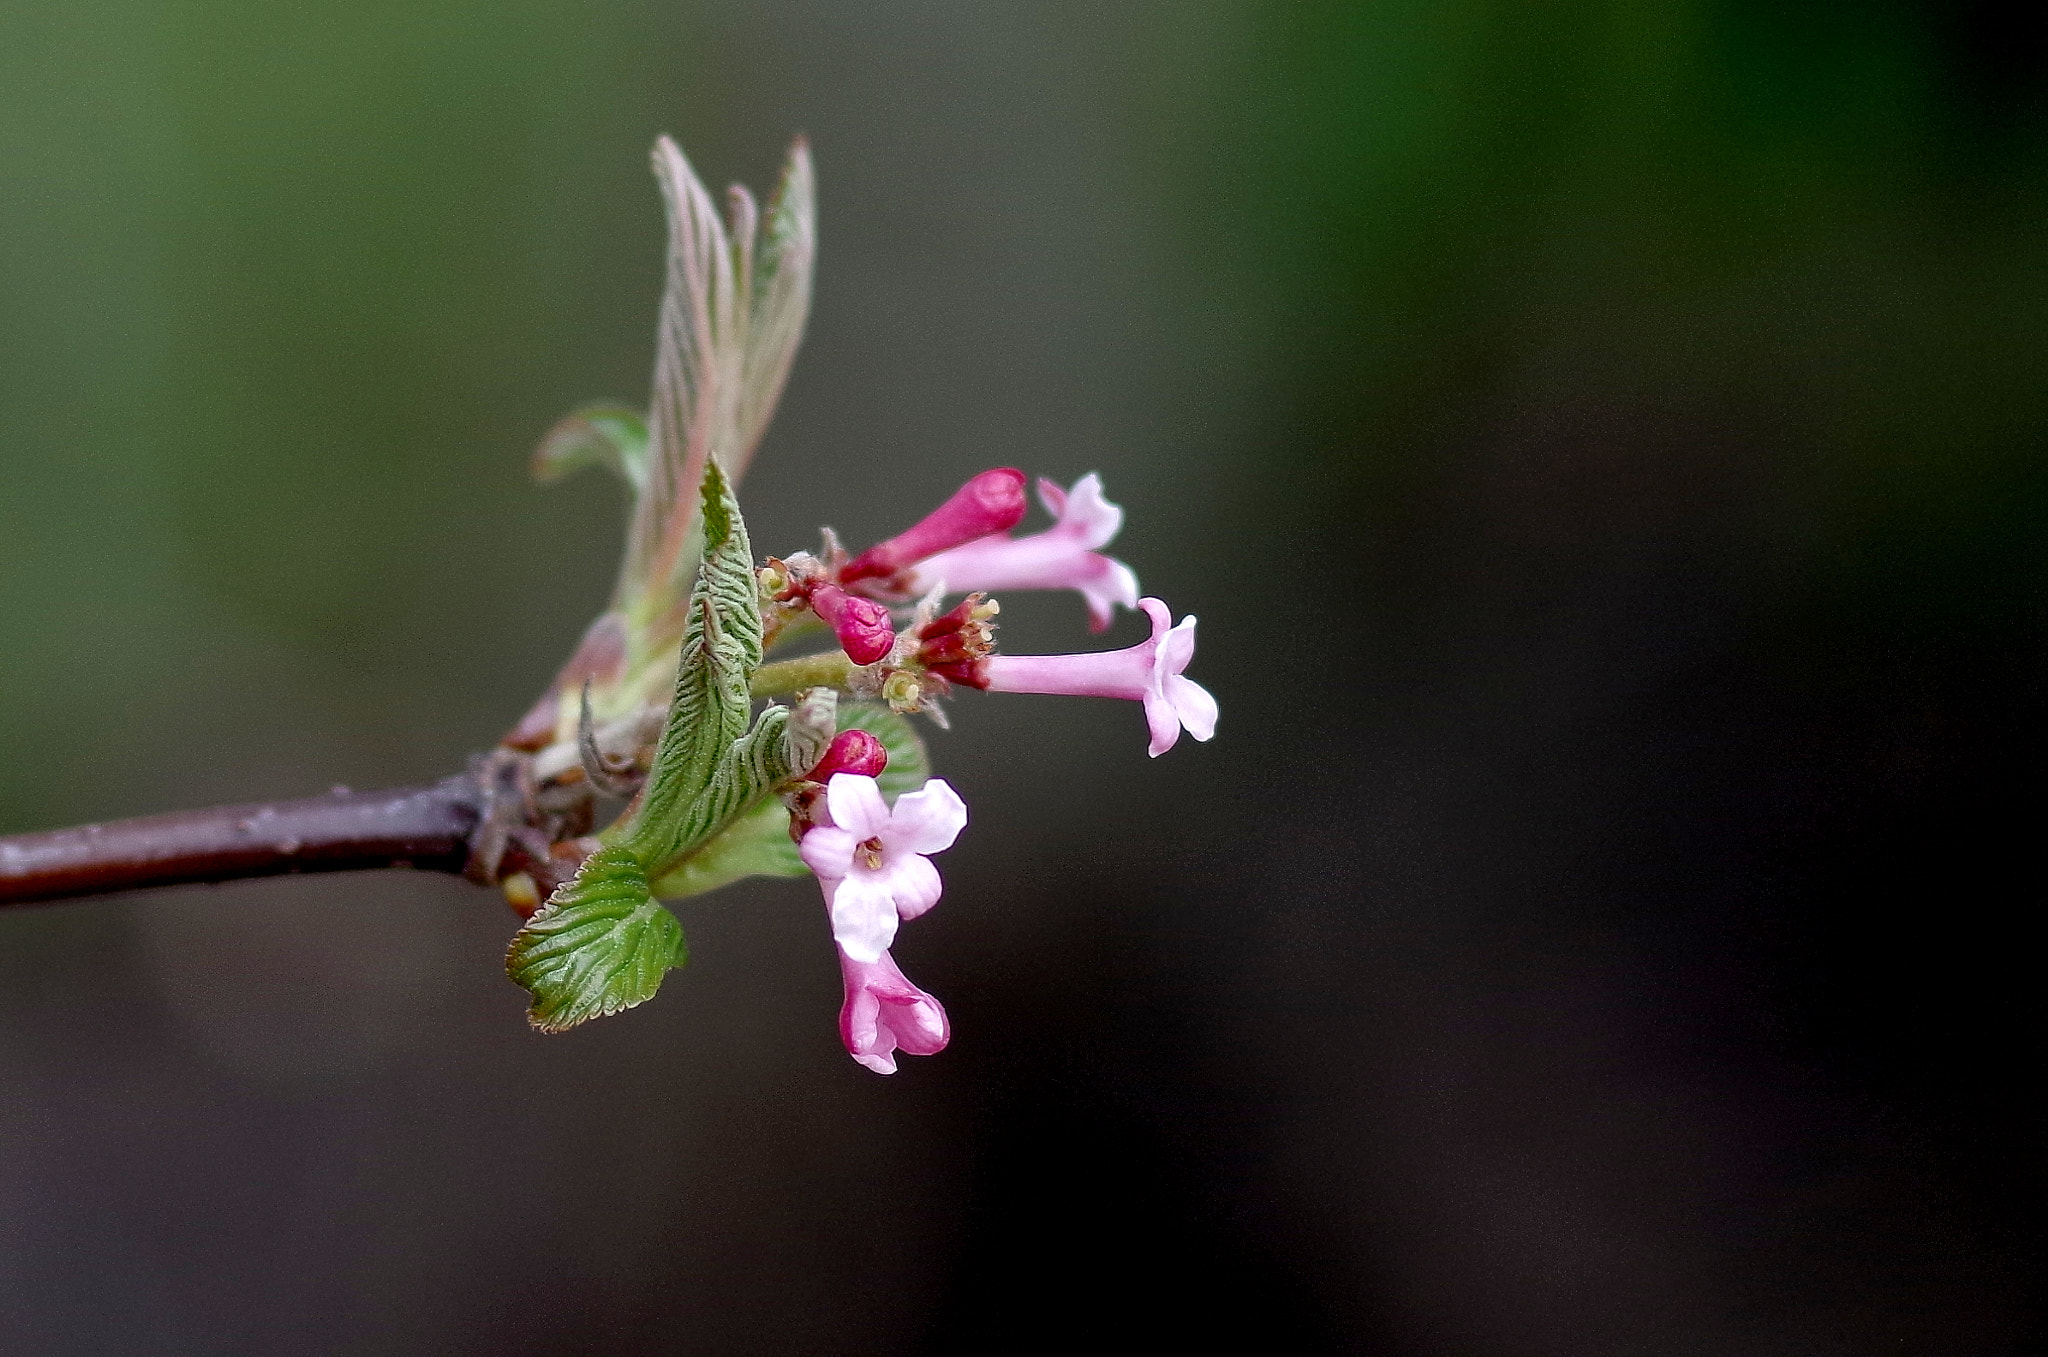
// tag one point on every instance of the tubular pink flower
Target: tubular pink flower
(991, 502)
(1061, 557)
(1149, 672)
(885, 1013)
(862, 624)
(873, 860)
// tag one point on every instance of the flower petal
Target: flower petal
(914, 884)
(863, 914)
(857, 805)
(1176, 648)
(1051, 496)
(1161, 615)
(1116, 584)
(926, 820)
(916, 1021)
(828, 851)
(885, 1012)
(1164, 721)
(1086, 515)
(859, 1019)
(1192, 703)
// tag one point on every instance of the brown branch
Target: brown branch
(425, 827)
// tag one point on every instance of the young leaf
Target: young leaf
(598, 946)
(750, 769)
(738, 828)
(779, 301)
(755, 844)
(610, 436)
(721, 650)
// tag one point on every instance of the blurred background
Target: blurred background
(1603, 443)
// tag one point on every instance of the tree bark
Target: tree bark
(425, 827)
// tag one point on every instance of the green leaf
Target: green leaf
(600, 944)
(738, 827)
(909, 764)
(721, 650)
(756, 844)
(611, 436)
(751, 768)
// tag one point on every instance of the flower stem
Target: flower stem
(830, 669)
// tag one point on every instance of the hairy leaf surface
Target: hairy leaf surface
(601, 944)
(721, 650)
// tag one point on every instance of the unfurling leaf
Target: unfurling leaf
(739, 827)
(732, 314)
(710, 710)
(610, 436)
(752, 767)
(598, 946)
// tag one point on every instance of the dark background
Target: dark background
(1603, 443)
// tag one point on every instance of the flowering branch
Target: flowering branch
(657, 705)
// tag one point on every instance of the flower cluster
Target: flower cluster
(873, 860)
(657, 706)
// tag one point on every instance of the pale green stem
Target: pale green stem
(829, 670)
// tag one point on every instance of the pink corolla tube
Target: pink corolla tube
(1149, 672)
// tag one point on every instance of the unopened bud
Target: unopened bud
(852, 751)
(992, 502)
(862, 624)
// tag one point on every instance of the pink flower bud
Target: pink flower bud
(885, 1013)
(862, 624)
(851, 751)
(1149, 672)
(991, 502)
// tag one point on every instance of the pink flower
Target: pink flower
(991, 502)
(885, 1013)
(1061, 557)
(873, 861)
(1149, 672)
(861, 624)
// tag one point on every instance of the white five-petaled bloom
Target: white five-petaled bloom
(1149, 672)
(873, 860)
(886, 1013)
(1064, 556)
